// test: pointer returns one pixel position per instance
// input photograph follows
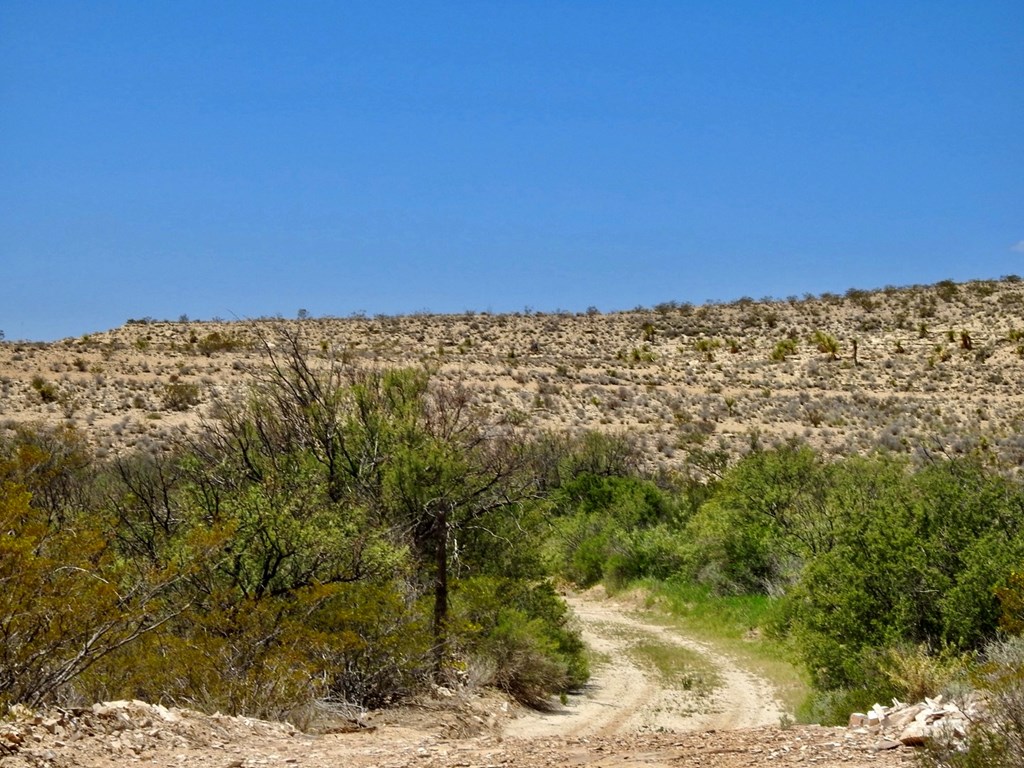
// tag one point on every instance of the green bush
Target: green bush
(916, 672)
(180, 396)
(657, 552)
(47, 390)
(764, 520)
(67, 599)
(227, 655)
(1011, 602)
(783, 348)
(215, 341)
(826, 343)
(889, 574)
(375, 644)
(918, 560)
(519, 638)
(613, 527)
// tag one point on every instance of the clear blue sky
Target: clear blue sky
(254, 158)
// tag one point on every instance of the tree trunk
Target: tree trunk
(440, 628)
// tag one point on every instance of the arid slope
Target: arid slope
(936, 368)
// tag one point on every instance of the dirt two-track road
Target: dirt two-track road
(634, 712)
(624, 697)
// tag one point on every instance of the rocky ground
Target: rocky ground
(127, 733)
(709, 712)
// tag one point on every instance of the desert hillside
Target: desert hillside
(919, 368)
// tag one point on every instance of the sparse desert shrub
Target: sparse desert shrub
(707, 347)
(642, 354)
(940, 354)
(826, 343)
(47, 390)
(946, 290)
(220, 342)
(180, 396)
(784, 348)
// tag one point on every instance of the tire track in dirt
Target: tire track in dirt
(623, 697)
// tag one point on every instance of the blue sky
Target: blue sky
(254, 158)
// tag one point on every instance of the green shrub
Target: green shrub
(233, 656)
(603, 529)
(707, 347)
(375, 644)
(826, 343)
(783, 348)
(47, 390)
(767, 516)
(66, 601)
(918, 559)
(657, 552)
(525, 662)
(834, 707)
(215, 341)
(519, 638)
(1011, 601)
(915, 672)
(180, 396)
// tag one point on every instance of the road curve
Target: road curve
(624, 698)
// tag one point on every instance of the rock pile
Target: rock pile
(129, 729)
(912, 725)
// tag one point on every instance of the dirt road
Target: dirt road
(626, 696)
(656, 700)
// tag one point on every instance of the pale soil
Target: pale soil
(626, 717)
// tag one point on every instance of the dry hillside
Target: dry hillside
(936, 368)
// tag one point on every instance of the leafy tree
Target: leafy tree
(447, 474)
(401, 462)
